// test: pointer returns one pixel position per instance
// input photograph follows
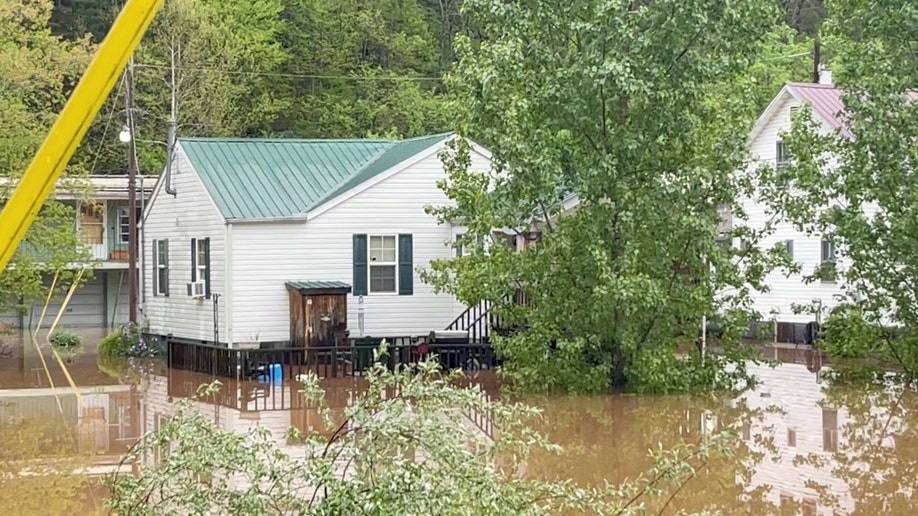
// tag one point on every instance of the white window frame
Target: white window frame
(123, 213)
(200, 262)
(162, 287)
(781, 159)
(830, 245)
(378, 264)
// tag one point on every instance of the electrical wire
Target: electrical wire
(292, 74)
(108, 123)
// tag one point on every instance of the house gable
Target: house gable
(397, 161)
(177, 220)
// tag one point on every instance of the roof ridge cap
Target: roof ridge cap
(287, 140)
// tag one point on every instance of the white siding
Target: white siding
(190, 214)
(266, 255)
(786, 291)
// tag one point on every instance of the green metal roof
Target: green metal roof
(318, 285)
(279, 178)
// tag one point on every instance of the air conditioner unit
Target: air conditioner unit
(196, 289)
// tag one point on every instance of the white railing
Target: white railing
(99, 251)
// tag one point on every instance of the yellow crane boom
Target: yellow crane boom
(71, 126)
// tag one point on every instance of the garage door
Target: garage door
(9, 320)
(85, 309)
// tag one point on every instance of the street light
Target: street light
(125, 135)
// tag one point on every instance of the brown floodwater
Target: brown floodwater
(804, 445)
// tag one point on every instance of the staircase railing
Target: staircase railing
(479, 320)
(475, 320)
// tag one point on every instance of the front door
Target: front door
(327, 318)
(92, 228)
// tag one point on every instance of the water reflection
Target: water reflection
(805, 445)
(58, 441)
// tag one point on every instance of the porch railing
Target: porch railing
(352, 359)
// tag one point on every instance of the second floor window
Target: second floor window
(781, 157)
(92, 223)
(124, 223)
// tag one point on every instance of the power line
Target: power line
(294, 75)
(788, 56)
(108, 124)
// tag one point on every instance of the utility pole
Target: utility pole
(132, 193)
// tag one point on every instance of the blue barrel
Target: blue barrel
(273, 375)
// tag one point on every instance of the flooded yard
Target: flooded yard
(803, 445)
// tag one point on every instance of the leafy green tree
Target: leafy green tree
(227, 51)
(75, 19)
(627, 105)
(804, 16)
(403, 447)
(783, 57)
(37, 71)
(857, 186)
(362, 69)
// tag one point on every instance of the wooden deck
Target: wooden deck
(350, 359)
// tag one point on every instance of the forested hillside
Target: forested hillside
(319, 68)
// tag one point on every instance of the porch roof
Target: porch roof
(319, 287)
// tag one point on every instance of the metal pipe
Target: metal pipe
(171, 133)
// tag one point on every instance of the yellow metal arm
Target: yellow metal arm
(70, 128)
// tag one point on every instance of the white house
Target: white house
(236, 220)
(102, 221)
(810, 251)
(765, 146)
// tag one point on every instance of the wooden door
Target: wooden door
(327, 316)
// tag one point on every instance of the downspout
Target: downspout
(171, 132)
(170, 157)
(228, 285)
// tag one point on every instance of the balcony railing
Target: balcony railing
(105, 251)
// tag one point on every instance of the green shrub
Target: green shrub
(65, 339)
(846, 334)
(129, 342)
(114, 345)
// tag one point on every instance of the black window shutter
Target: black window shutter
(155, 260)
(207, 268)
(458, 246)
(360, 265)
(166, 287)
(405, 265)
(194, 261)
